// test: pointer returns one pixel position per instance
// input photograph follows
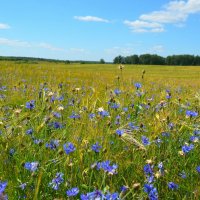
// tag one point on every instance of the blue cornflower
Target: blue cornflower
(151, 191)
(161, 167)
(150, 179)
(97, 194)
(103, 113)
(198, 169)
(187, 148)
(55, 183)
(172, 186)
(148, 169)
(138, 85)
(22, 186)
(11, 152)
(123, 188)
(72, 192)
(114, 105)
(29, 131)
(145, 141)
(105, 165)
(69, 148)
(190, 113)
(57, 125)
(96, 147)
(74, 116)
(56, 115)
(120, 132)
(31, 166)
(117, 92)
(38, 141)
(196, 132)
(183, 175)
(133, 127)
(125, 109)
(194, 138)
(91, 116)
(53, 144)
(3, 186)
(113, 196)
(30, 105)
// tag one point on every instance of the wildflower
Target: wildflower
(145, 141)
(120, 132)
(22, 186)
(74, 116)
(138, 85)
(3, 186)
(148, 169)
(151, 191)
(172, 186)
(56, 115)
(57, 125)
(53, 144)
(96, 147)
(117, 92)
(113, 196)
(91, 116)
(190, 113)
(31, 166)
(198, 169)
(29, 131)
(161, 167)
(97, 194)
(123, 188)
(103, 113)
(187, 148)
(55, 183)
(72, 192)
(105, 165)
(30, 105)
(69, 148)
(11, 152)
(194, 138)
(183, 175)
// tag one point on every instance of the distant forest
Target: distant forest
(153, 59)
(145, 59)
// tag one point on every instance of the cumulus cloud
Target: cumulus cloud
(144, 26)
(90, 19)
(4, 26)
(175, 12)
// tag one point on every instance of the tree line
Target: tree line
(154, 59)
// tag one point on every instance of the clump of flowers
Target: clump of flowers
(55, 183)
(69, 148)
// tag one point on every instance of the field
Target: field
(80, 131)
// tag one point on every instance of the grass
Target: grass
(65, 96)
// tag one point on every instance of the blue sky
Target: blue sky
(95, 29)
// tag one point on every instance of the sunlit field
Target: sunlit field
(83, 131)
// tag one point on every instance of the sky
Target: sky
(95, 29)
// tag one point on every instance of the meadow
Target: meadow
(92, 132)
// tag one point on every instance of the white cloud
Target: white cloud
(90, 19)
(143, 26)
(16, 43)
(4, 26)
(19, 43)
(175, 12)
(49, 46)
